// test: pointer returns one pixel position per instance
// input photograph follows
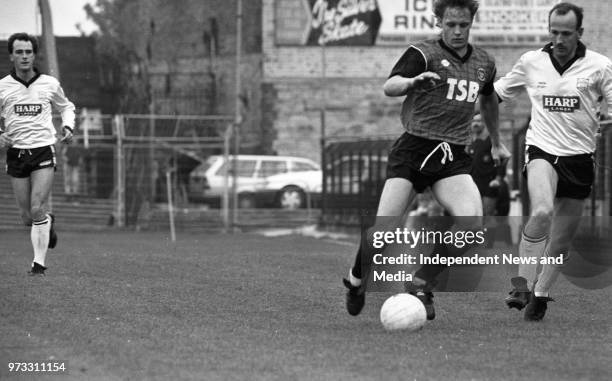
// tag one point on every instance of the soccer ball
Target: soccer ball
(403, 311)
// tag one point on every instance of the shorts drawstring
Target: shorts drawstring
(446, 150)
(22, 151)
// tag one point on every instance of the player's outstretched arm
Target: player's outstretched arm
(398, 86)
(606, 91)
(5, 141)
(489, 108)
(66, 109)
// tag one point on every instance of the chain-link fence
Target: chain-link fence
(122, 160)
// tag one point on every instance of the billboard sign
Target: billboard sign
(497, 22)
(327, 22)
(398, 22)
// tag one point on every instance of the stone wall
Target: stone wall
(190, 50)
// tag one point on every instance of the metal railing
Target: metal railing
(125, 157)
(354, 175)
(353, 178)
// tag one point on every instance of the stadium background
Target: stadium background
(293, 98)
(136, 306)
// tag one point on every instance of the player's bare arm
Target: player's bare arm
(398, 86)
(5, 141)
(489, 109)
(605, 114)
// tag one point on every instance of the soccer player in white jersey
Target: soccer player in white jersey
(564, 81)
(26, 97)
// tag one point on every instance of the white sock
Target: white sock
(531, 248)
(356, 282)
(548, 277)
(40, 239)
(540, 294)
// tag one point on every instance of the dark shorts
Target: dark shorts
(576, 173)
(21, 162)
(409, 153)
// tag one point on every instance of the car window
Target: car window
(269, 168)
(299, 166)
(208, 163)
(246, 168)
(201, 169)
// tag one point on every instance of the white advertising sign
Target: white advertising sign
(506, 22)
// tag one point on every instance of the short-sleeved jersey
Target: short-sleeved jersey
(564, 100)
(26, 108)
(444, 111)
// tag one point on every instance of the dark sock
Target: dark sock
(363, 258)
(430, 272)
(357, 265)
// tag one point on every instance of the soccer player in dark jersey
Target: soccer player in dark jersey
(441, 80)
(566, 82)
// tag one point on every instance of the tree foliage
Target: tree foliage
(121, 45)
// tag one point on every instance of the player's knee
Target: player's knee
(37, 213)
(542, 215)
(472, 208)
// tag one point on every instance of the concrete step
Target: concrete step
(198, 219)
(85, 214)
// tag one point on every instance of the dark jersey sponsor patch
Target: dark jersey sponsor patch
(555, 103)
(28, 109)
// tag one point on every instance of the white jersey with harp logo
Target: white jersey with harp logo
(27, 110)
(564, 105)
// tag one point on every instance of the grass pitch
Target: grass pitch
(135, 306)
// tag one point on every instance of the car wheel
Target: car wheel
(291, 198)
(246, 201)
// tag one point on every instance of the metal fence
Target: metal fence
(353, 178)
(122, 160)
(354, 175)
(148, 147)
(125, 158)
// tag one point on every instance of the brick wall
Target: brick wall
(352, 89)
(191, 50)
